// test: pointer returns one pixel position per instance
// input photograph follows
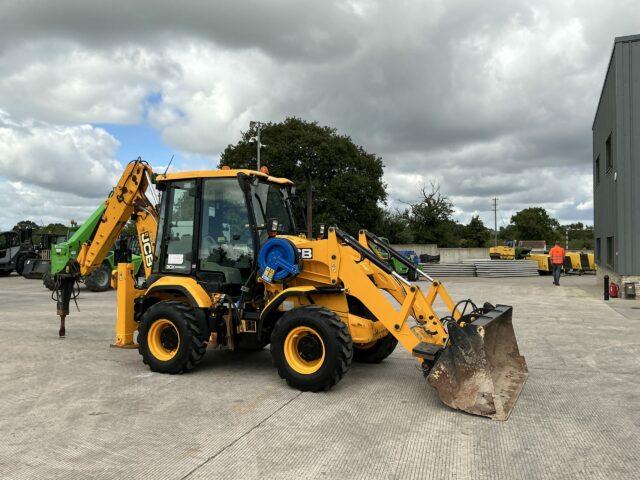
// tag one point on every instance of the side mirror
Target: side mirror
(272, 227)
(322, 232)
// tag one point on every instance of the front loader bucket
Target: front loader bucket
(35, 268)
(481, 371)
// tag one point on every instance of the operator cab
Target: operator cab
(213, 223)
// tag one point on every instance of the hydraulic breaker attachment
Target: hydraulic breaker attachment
(481, 371)
(64, 291)
(65, 283)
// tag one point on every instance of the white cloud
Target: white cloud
(78, 159)
(488, 99)
(20, 201)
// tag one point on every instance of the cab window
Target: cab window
(270, 201)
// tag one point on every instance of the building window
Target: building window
(597, 170)
(608, 153)
(610, 255)
(598, 250)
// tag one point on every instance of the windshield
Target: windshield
(271, 201)
(226, 242)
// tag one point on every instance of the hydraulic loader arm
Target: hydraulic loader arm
(89, 246)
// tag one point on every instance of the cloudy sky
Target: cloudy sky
(486, 98)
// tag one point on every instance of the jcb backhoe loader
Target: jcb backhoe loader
(226, 268)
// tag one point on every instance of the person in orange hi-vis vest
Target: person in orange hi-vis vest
(557, 259)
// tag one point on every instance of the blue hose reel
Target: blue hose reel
(278, 260)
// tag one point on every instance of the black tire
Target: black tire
(48, 281)
(336, 344)
(377, 352)
(190, 346)
(100, 279)
(5, 273)
(20, 263)
(412, 275)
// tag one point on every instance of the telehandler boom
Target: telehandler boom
(227, 268)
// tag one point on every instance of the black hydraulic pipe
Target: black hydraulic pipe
(368, 254)
(392, 251)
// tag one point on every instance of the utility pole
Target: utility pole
(495, 221)
(258, 127)
(309, 206)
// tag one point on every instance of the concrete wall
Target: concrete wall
(447, 255)
(457, 255)
(420, 249)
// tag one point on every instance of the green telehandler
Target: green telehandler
(126, 250)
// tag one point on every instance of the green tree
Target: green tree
(430, 219)
(55, 229)
(24, 224)
(475, 234)
(395, 227)
(534, 223)
(346, 181)
(580, 236)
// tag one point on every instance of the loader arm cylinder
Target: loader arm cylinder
(366, 253)
(394, 253)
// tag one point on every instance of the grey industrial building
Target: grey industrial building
(616, 165)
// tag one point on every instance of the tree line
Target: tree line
(347, 189)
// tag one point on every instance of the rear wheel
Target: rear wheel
(99, 280)
(376, 351)
(311, 348)
(169, 338)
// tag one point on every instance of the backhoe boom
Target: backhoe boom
(89, 246)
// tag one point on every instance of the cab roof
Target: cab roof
(223, 173)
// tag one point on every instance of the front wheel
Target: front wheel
(169, 338)
(311, 348)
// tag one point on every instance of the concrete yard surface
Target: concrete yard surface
(76, 408)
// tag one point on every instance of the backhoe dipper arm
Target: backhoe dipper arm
(93, 241)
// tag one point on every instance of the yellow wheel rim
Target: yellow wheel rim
(304, 350)
(163, 340)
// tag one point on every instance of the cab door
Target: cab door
(226, 248)
(177, 254)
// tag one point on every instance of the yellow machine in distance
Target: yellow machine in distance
(502, 252)
(579, 262)
(544, 262)
(229, 269)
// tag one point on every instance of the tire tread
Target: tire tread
(340, 332)
(198, 345)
